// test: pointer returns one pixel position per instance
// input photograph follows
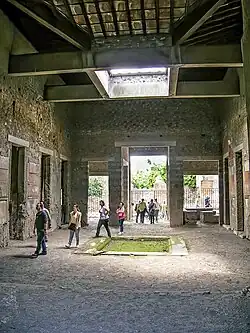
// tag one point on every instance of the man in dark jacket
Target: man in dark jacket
(40, 227)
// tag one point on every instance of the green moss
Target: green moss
(138, 246)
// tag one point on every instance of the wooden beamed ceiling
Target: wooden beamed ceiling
(107, 18)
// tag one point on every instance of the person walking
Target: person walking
(103, 220)
(40, 228)
(121, 216)
(142, 208)
(74, 226)
(157, 210)
(151, 211)
(48, 219)
(137, 211)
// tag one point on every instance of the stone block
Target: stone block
(209, 217)
(191, 217)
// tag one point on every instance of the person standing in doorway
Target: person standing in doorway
(157, 210)
(142, 210)
(74, 226)
(164, 210)
(40, 228)
(104, 219)
(151, 211)
(121, 216)
(48, 219)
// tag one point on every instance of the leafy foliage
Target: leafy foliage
(95, 187)
(146, 179)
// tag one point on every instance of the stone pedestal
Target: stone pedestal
(175, 188)
(115, 169)
(80, 184)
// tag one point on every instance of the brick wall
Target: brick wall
(97, 125)
(26, 116)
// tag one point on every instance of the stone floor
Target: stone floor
(65, 292)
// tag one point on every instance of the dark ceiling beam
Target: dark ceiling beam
(227, 10)
(85, 14)
(71, 93)
(213, 32)
(129, 17)
(193, 21)
(172, 4)
(143, 17)
(222, 19)
(113, 11)
(188, 89)
(69, 12)
(62, 27)
(99, 14)
(157, 16)
(77, 62)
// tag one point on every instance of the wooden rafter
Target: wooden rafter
(157, 16)
(69, 12)
(171, 16)
(85, 14)
(99, 14)
(129, 17)
(195, 19)
(143, 18)
(112, 6)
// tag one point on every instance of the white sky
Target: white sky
(140, 162)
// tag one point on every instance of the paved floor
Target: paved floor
(65, 292)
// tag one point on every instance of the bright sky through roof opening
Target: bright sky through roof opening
(138, 71)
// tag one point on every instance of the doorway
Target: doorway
(226, 192)
(239, 191)
(16, 191)
(45, 194)
(64, 192)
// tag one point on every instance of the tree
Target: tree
(95, 187)
(146, 179)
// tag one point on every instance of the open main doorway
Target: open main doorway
(149, 184)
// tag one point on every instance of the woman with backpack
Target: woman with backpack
(121, 216)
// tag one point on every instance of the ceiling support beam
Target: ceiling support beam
(62, 27)
(173, 81)
(84, 93)
(97, 83)
(76, 62)
(71, 93)
(193, 21)
(200, 89)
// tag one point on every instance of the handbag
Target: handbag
(72, 227)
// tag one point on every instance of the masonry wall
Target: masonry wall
(24, 115)
(97, 125)
(235, 138)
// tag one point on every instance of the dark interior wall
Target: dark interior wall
(235, 138)
(24, 115)
(191, 122)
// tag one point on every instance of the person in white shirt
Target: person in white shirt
(104, 219)
(157, 210)
(74, 226)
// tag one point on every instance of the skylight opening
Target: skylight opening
(138, 71)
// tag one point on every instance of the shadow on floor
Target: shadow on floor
(22, 256)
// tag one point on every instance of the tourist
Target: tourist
(74, 226)
(164, 210)
(121, 216)
(137, 211)
(48, 219)
(104, 219)
(142, 208)
(40, 228)
(151, 211)
(157, 210)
